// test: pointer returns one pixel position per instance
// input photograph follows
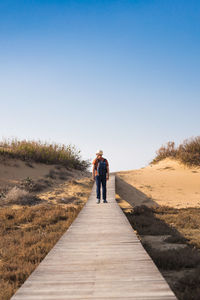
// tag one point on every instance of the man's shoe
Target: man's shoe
(105, 201)
(98, 200)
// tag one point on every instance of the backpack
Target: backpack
(102, 167)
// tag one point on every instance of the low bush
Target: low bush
(30, 185)
(15, 196)
(20, 197)
(37, 151)
(188, 152)
(165, 151)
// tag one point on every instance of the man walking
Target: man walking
(100, 173)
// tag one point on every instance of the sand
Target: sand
(167, 183)
(14, 170)
(71, 190)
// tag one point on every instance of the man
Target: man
(100, 174)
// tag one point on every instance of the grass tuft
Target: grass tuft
(37, 151)
(15, 196)
(20, 197)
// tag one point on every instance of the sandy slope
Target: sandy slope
(68, 187)
(166, 183)
(12, 171)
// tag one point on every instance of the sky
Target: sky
(121, 76)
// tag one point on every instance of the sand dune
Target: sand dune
(165, 183)
(12, 171)
(53, 183)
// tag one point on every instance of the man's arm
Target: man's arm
(107, 175)
(93, 172)
(93, 169)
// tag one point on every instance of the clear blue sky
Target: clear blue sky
(122, 76)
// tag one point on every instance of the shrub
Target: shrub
(188, 152)
(15, 195)
(20, 197)
(165, 151)
(37, 151)
(30, 185)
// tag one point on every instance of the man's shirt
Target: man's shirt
(95, 163)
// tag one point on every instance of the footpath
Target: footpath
(98, 257)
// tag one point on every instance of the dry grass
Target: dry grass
(188, 287)
(18, 196)
(28, 234)
(183, 226)
(30, 185)
(188, 152)
(175, 259)
(38, 151)
(15, 195)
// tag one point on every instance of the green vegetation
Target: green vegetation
(38, 151)
(188, 152)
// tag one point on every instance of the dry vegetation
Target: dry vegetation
(42, 189)
(178, 256)
(38, 151)
(164, 210)
(188, 152)
(29, 232)
(161, 202)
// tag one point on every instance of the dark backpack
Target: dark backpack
(102, 167)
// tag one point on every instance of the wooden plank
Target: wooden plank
(99, 257)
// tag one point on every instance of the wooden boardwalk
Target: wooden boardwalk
(99, 257)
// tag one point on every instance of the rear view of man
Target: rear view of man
(100, 174)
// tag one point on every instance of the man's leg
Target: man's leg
(98, 186)
(103, 180)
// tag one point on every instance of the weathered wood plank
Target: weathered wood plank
(99, 257)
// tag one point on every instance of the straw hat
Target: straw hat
(99, 152)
